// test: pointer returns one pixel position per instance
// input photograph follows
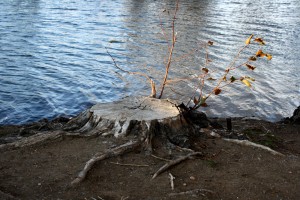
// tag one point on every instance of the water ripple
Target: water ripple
(53, 59)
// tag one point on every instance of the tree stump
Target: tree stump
(139, 119)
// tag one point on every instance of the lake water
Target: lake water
(53, 58)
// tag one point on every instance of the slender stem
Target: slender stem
(170, 51)
(237, 56)
(164, 33)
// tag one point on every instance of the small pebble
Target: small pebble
(192, 178)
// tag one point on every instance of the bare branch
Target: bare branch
(170, 51)
(152, 83)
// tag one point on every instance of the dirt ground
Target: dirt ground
(227, 171)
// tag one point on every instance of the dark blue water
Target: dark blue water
(53, 59)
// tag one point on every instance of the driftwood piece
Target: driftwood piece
(175, 162)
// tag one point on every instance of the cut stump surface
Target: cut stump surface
(119, 118)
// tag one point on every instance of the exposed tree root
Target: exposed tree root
(122, 149)
(252, 144)
(175, 162)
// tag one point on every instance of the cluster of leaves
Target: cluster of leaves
(199, 99)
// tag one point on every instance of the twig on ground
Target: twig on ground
(252, 144)
(175, 162)
(192, 192)
(131, 165)
(154, 156)
(171, 180)
(119, 150)
(184, 149)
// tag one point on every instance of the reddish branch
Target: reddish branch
(170, 51)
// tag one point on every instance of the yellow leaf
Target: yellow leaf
(269, 56)
(246, 82)
(260, 53)
(249, 39)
